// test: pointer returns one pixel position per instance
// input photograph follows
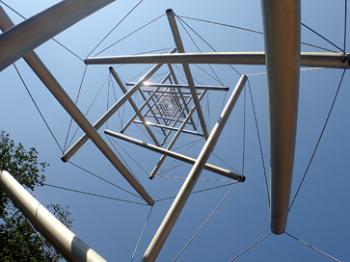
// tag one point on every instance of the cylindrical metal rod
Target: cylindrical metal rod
(186, 189)
(207, 87)
(133, 105)
(210, 167)
(36, 30)
(62, 97)
(174, 139)
(83, 139)
(178, 42)
(282, 47)
(195, 133)
(308, 59)
(64, 240)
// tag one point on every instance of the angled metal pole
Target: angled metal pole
(176, 207)
(179, 45)
(62, 97)
(174, 139)
(282, 45)
(133, 105)
(64, 240)
(36, 30)
(195, 133)
(83, 139)
(308, 59)
(190, 160)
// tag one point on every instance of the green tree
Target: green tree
(18, 239)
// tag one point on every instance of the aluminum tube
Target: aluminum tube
(64, 240)
(210, 167)
(62, 97)
(282, 48)
(176, 136)
(308, 59)
(179, 45)
(83, 139)
(195, 133)
(133, 105)
(36, 30)
(176, 207)
(207, 87)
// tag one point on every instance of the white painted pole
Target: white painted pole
(64, 240)
(31, 33)
(187, 187)
(282, 47)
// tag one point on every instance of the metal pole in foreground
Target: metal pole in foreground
(179, 45)
(186, 189)
(62, 97)
(36, 30)
(133, 105)
(64, 240)
(210, 167)
(282, 44)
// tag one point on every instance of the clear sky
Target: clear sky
(320, 215)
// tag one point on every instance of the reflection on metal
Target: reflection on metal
(64, 240)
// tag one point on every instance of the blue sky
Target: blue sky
(320, 215)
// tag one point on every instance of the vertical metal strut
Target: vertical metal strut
(282, 48)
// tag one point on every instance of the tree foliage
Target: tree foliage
(18, 239)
